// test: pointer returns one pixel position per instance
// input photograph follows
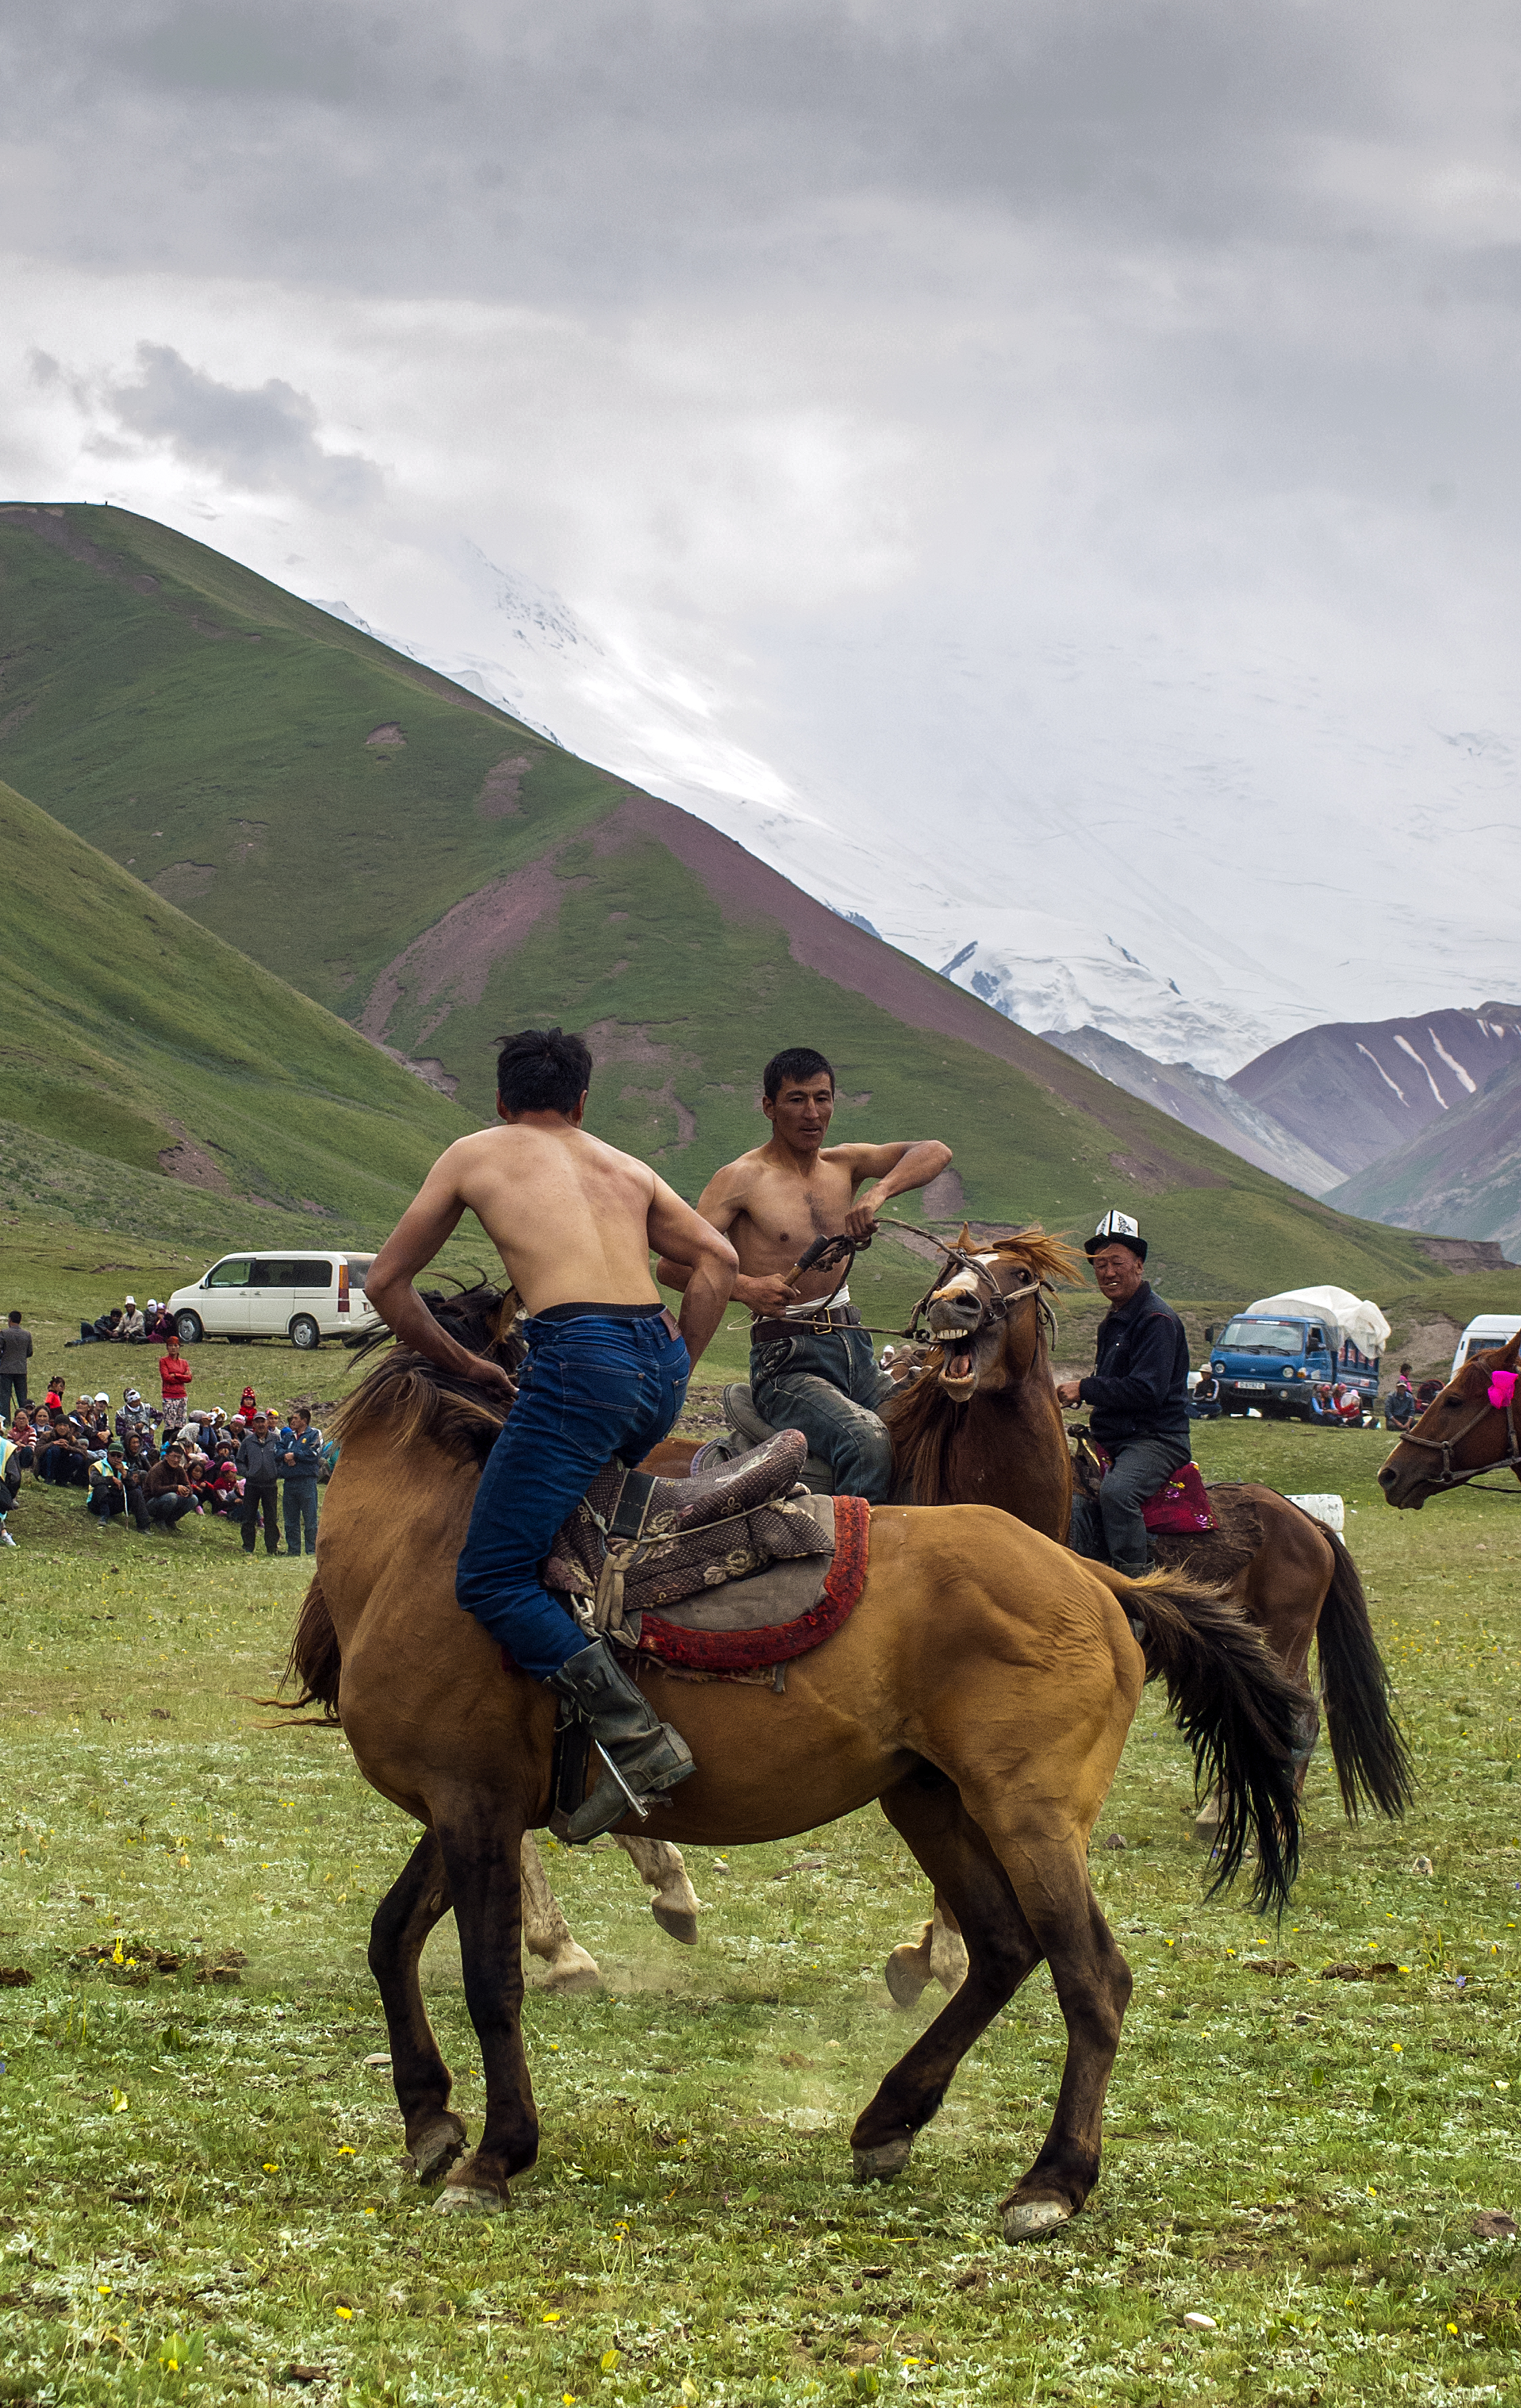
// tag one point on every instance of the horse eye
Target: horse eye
(1452, 1403)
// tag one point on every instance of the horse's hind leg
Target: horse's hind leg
(546, 1933)
(1000, 1952)
(482, 1852)
(663, 1869)
(403, 1920)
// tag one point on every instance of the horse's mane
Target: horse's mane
(922, 1417)
(414, 1399)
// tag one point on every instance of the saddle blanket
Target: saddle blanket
(1181, 1504)
(769, 1616)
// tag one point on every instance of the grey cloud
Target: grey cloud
(259, 439)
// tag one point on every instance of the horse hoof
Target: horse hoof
(677, 1923)
(1030, 2219)
(905, 1973)
(885, 2164)
(467, 2199)
(436, 2147)
(572, 1970)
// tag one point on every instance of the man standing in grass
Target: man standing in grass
(300, 1460)
(811, 1369)
(258, 1460)
(15, 1354)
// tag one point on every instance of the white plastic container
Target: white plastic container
(1329, 1510)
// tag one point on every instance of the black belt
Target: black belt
(599, 1313)
(842, 1316)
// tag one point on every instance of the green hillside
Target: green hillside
(141, 1056)
(428, 869)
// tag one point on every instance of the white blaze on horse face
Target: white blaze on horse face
(964, 1280)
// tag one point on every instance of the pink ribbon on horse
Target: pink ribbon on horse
(1502, 1389)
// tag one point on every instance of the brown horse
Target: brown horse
(980, 1690)
(1461, 1434)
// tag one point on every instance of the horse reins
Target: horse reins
(1510, 1461)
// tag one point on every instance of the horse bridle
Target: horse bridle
(825, 1252)
(1447, 1477)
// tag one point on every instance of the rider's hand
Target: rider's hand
(770, 1295)
(861, 1220)
(1069, 1392)
(491, 1377)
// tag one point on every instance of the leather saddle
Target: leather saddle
(746, 1430)
(636, 1543)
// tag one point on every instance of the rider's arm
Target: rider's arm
(690, 1245)
(432, 1216)
(894, 1170)
(720, 1205)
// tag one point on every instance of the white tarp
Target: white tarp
(1361, 1322)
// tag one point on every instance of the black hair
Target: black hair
(542, 1070)
(796, 1062)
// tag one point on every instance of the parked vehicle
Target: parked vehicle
(1486, 1329)
(303, 1298)
(1271, 1358)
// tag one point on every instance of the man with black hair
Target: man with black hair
(574, 1222)
(1137, 1397)
(810, 1368)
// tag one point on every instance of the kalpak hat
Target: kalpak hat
(1117, 1230)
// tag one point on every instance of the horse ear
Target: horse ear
(1509, 1357)
(964, 1241)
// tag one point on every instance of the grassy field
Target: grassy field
(201, 2196)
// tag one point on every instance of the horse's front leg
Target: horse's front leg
(483, 1852)
(663, 1869)
(403, 1920)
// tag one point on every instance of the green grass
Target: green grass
(173, 709)
(198, 2175)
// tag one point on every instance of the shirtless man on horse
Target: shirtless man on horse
(575, 1222)
(811, 1368)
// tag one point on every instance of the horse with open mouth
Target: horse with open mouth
(980, 1690)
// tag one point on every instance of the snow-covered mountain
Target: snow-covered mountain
(1110, 832)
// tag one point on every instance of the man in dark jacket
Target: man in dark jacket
(1136, 1395)
(258, 1460)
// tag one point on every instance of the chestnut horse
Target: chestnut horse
(1471, 1427)
(980, 1690)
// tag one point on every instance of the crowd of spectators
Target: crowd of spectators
(153, 1466)
(127, 1324)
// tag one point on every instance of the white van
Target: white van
(303, 1298)
(1485, 1330)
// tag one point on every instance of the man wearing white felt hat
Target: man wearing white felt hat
(1138, 1399)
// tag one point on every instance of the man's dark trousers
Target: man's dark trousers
(300, 1503)
(260, 1496)
(1112, 1531)
(593, 1388)
(12, 1393)
(827, 1383)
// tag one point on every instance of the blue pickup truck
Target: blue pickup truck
(1275, 1361)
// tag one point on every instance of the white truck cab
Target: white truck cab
(302, 1298)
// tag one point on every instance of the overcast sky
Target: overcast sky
(809, 349)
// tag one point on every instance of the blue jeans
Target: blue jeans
(1112, 1531)
(591, 1389)
(300, 1504)
(827, 1385)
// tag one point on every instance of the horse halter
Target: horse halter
(1447, 1477)
(991, 1306)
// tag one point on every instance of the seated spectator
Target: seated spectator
(133, 1415)
(110, 1494)
(9, 1475)
(134, 1327)
(1428, 1392)
(141, 1453)
(248, 1405)
(1348, 1403)
(64, 1462)
(220, 1492)
(167, 1490)
(105, 1329)
(55, 1397)
(23, 1437)
(1204, 1405)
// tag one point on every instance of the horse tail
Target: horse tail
(1372, 1762)
(1240, 1714)
(315, 1659)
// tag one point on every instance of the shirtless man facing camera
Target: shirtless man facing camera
(810, 1369)
(575, 1222)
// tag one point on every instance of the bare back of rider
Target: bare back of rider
(575, 1222)
(811, 1368)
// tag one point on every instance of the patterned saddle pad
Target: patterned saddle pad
(1182, 1503)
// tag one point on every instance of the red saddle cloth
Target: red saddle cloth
(698, 1650)
(1181, 1504)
